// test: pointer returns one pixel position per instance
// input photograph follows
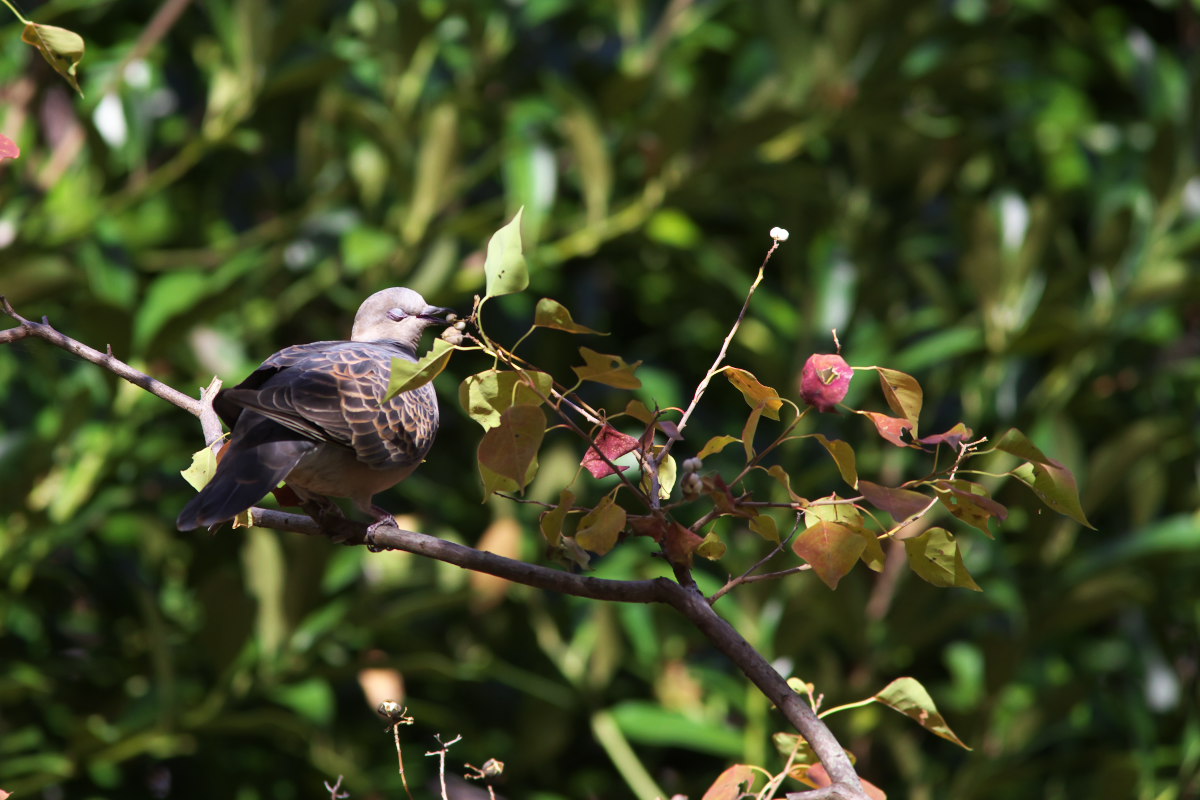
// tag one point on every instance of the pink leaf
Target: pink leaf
(613, 444)
(8, 148)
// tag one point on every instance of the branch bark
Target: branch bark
(682, 594)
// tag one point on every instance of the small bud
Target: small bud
(461, 325)
(452, 318)
(779, 234)
(692, 485)
(390, 709)
(691, 465)
(492, 768)
(453, 336)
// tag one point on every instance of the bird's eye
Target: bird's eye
(396, 314)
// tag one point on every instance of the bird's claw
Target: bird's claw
(372, 529)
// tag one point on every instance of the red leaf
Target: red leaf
(825, 380)
(613, 444)
(820, 779)
(900, 503)
(953, 437)
(890, 428)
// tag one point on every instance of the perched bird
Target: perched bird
(313, 414)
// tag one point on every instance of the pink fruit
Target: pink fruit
(825, 380)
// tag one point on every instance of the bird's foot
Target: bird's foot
(385, 522)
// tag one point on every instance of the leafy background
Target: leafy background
(1000, 198)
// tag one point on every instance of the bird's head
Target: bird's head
(396, 315)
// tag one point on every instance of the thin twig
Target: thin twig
(43, 330)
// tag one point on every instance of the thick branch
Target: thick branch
(686, 599)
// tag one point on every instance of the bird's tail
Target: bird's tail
(244, 476)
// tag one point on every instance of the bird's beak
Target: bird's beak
(436, 314)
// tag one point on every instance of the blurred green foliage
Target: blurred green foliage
(1000, 198)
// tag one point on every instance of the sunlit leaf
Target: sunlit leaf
(505, 263)
(843, 456)
(731, 784)
(748, 432)
(935, 557)
(953, 437)
(408, 375)
(607, 369)
(600, 527)
(910, 698)
(553, 314)
(831, 548)
(204, 464)
(667, 472)
(785, 480)
(715, 445)
(62, 49)
(510, 449)
(902, 392)
(755, 393)
(890, 428)
(485, 395)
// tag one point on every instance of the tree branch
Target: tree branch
(684, 596)
(43, 330)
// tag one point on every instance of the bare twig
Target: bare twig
(441, 757)
(748, 575)
(43, 330)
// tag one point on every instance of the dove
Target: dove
(314, 415)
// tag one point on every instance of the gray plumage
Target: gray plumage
(313, 414)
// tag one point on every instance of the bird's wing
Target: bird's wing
(332, 391)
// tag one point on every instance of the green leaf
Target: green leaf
(1049, 479)
(902, 392)
(649, 723)
(1055, 485)
(551, 522)
(600, 527)
(970, 502)
(606, 369)
(831, 548)
(553, 314)
(667, 472)
(62, 49)
(910, 698)
(755, 393)
(843, 456)
(505, 263)
(711, 547)
(715, 445)
(408, 375)
(935, 557)
(764, 525)
(204, 464)
(485, 395)
(510, 449)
